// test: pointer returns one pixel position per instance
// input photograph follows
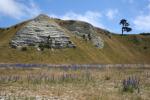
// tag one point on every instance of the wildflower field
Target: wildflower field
(75, 83)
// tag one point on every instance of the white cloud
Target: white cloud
(129, 1)
(16, 9)
(92, 17)
(111, 13)
(142, 22)
(148, 5)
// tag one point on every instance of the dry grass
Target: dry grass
(117, 49)
(72, 84)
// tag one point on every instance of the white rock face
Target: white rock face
(41, 30)
(83, 28)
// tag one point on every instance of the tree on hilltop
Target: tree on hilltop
(125, 26)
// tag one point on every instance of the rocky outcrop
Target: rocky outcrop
(84, 30)
(42, 30)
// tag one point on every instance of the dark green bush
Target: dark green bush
(145, 47)
(107, 77)
(24, 49)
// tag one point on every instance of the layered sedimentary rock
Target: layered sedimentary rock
(42, 30)
(85, 30)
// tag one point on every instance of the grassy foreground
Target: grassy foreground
(72, 83)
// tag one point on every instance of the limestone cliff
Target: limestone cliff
(42, 30)
(84, 30)
(47, 31)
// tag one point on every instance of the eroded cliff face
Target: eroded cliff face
(84, 30)
(51, 33)
(42, 30)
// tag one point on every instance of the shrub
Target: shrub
(44, 45)
(83, 36)
(24, 49)
(89, 36)
(14, 47)
(145, 47)
(7, 28)
(130, 84)
(145, 34)
(31, 44)
(107, 77)
(15, 26)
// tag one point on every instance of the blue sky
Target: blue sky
(101, 13)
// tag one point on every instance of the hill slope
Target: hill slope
(117, 49)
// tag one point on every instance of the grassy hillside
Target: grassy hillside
(117, 49)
